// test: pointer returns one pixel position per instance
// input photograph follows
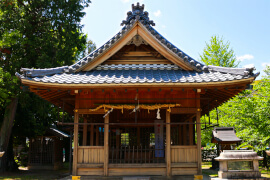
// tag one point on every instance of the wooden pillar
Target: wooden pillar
(75, 140)
(168, 142)
(92, 135)
(84, 132)
(198, 127)
(106, 145)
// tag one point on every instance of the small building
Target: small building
(137, 102)
(225, 137)
(46, 152)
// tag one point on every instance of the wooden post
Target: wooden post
(92, 135)
(168, 142)
(70, 152)
(75, 140)
(198, 127)
(84, 132)
(106, 145)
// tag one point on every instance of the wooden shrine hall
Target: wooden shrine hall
(137, 102)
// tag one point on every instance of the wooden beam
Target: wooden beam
(106, 145)
(135, 61)
(87, 111)
(137, 53)
(198, 127)
(168, 143)
(75, 140)
(183, 110)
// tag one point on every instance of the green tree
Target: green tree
(249, 113)
(267, 71)
(218, 53)
(35, 34)
(90, 46)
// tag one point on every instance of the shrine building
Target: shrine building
(137, 102)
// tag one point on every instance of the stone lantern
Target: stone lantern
(239, 164)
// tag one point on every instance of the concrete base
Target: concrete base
(261, 178)
(238, 174)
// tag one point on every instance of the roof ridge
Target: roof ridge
(231, 70)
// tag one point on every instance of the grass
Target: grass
(206, 169)
(265, 172)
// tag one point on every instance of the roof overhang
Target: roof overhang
(180, 85)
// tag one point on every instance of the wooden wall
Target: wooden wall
(184, 154)
(90, 154)
(92, 98)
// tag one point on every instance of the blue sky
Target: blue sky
(189, 24)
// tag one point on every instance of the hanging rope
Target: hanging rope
(131, 107)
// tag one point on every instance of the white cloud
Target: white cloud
(245, 57)
(249, 66)
(163, 26)
(157, 13)
(265, 64)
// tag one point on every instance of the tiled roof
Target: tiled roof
(225, 134)
(137, 15)
(55, 132)
(141, 73)
(200, 73)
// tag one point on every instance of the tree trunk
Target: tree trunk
(5, 133)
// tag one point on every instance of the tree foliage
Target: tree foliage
(249, 113)
(37, 34)
(218, 53)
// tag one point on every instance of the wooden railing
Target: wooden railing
(90, 154)
(184, 154)
(135, 154)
